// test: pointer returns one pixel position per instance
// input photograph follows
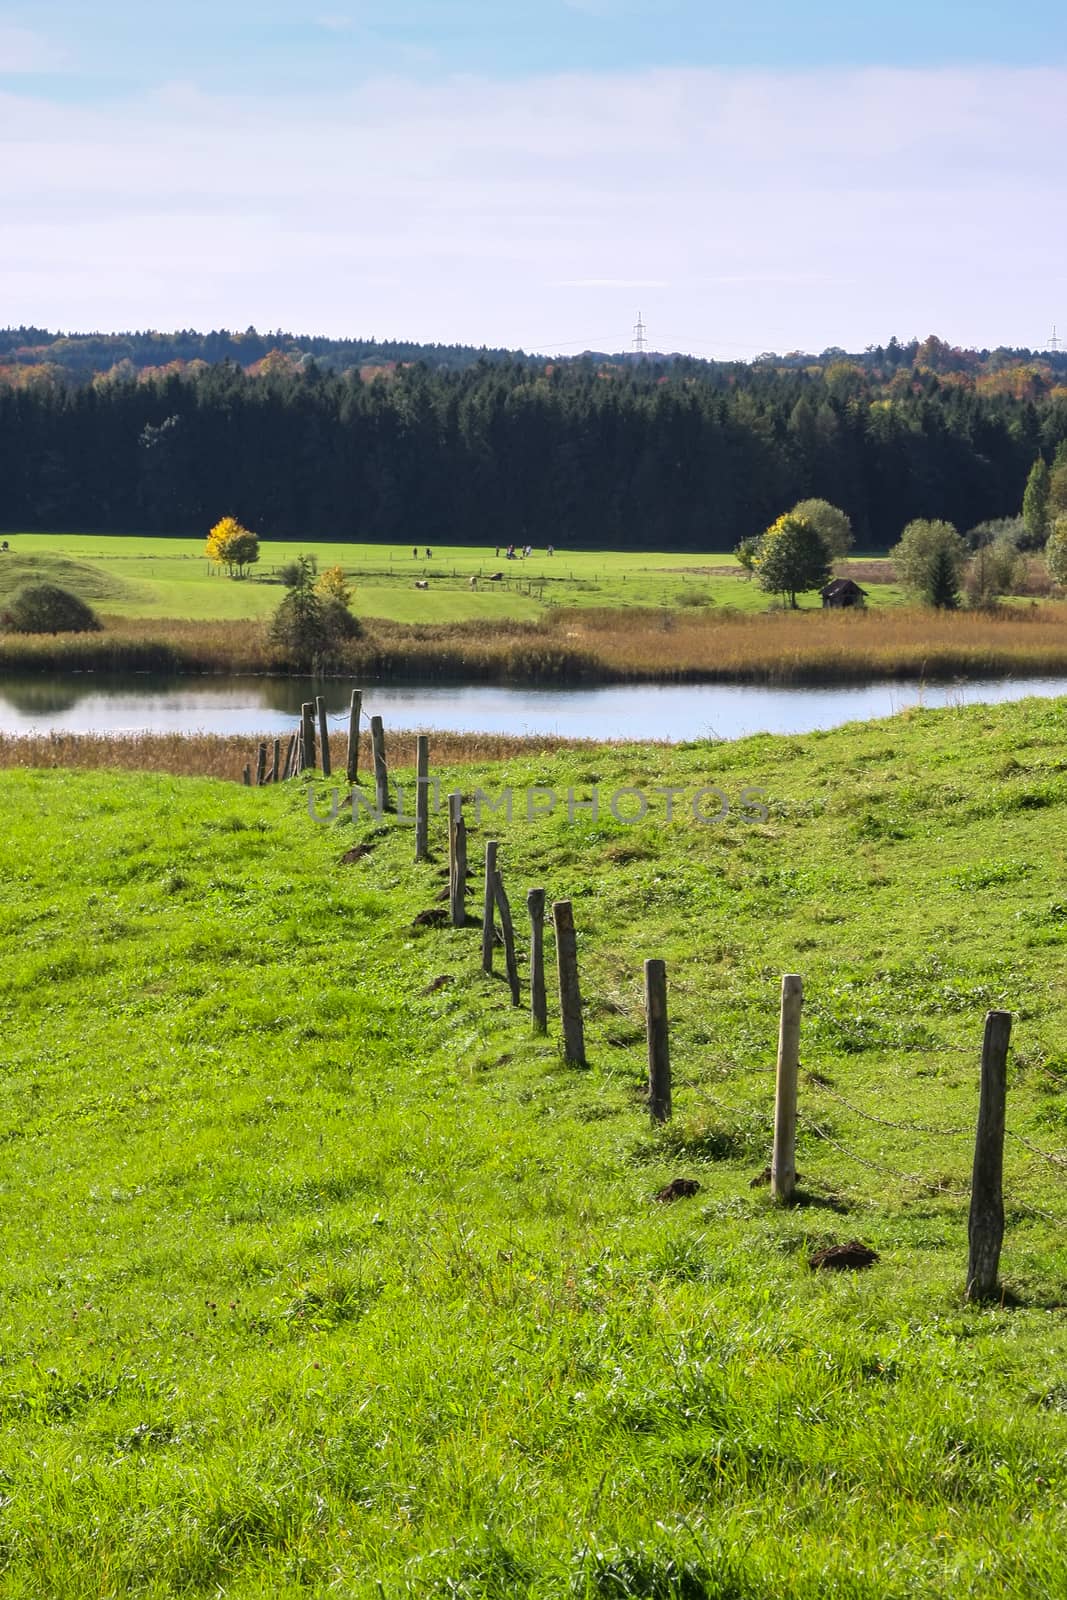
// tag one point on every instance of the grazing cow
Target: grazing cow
(420, 583)
(474, 581)
(496, 577)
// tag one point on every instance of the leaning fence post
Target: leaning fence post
(659, 1055)
(324, 734)
(352, 756)
(535, 905)
(783, 1157)
(985, 1228)
(570, 998)
(307, 736)
(261, 766)
(276, 769)
(508, 929)
(457, 860)
(422, 797)
(488, 904)
(381, 770)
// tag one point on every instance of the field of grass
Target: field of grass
(169, 578)
(322, 1275)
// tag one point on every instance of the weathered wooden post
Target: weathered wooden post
(659, 1054)
(352, 756)
(247, 775)
(324, 734)
(381, 770)
(488, 905)
(535, 905)
(457, 860)
(985, 1227)
(422, 797)
(507, 927)
(307, 736)
(570, 997)
(261, 766)
(276, 767)
(783, 1155)
(290, 755)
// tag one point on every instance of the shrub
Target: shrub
(46, 608)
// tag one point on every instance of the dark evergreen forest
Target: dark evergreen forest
(679, 454)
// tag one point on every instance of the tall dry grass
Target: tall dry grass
(203, 755)
(578, 646)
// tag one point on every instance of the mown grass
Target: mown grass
(594, 646)
(322, 1275)
(159, 578)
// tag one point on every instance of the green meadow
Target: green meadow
(170, 578)
(323, 1275)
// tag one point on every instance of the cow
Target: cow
(421, 583)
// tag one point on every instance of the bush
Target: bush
(46, 608)
(307, 626)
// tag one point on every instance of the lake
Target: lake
(97, 703)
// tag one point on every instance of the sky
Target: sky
(766, 176)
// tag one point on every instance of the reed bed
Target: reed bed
(202, 755)
(605, 646)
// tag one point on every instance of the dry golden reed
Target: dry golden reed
(202, 755)
(579, 646)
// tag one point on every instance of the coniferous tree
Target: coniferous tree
(1036, 501)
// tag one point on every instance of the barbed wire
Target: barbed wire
(864, 1161)
(1053, 1160)
(906, 1127)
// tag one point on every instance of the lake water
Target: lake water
(97, 703)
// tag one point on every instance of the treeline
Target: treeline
(643, 457)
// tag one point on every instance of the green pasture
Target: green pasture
(154, 577)
(323, 1275)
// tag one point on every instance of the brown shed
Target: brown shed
(843, 592)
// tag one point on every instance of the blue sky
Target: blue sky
(113, 45)
(750, 176)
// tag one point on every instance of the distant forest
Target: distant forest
(363, 440)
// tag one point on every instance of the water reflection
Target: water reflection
(99, 703)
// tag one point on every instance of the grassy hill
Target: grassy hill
(321, 1274)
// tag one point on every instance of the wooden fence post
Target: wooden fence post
(324, 734)
(783, 1156)
(247, 775)
(290, 755)
(535, 905)
(659, 1054)
(985, 1227)
(508, 929)
(261, 766)
(307, 736)
(422, 797)
(352, 756)
(457, 860)
(488, 903)
(381, 770)
(276, 769)
(570, 998)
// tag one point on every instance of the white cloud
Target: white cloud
(750, 210)
(22, 50)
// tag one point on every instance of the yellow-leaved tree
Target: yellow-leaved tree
(232, 546)
(332, 585)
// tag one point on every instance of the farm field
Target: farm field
(322, 1275)
(169, 578)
